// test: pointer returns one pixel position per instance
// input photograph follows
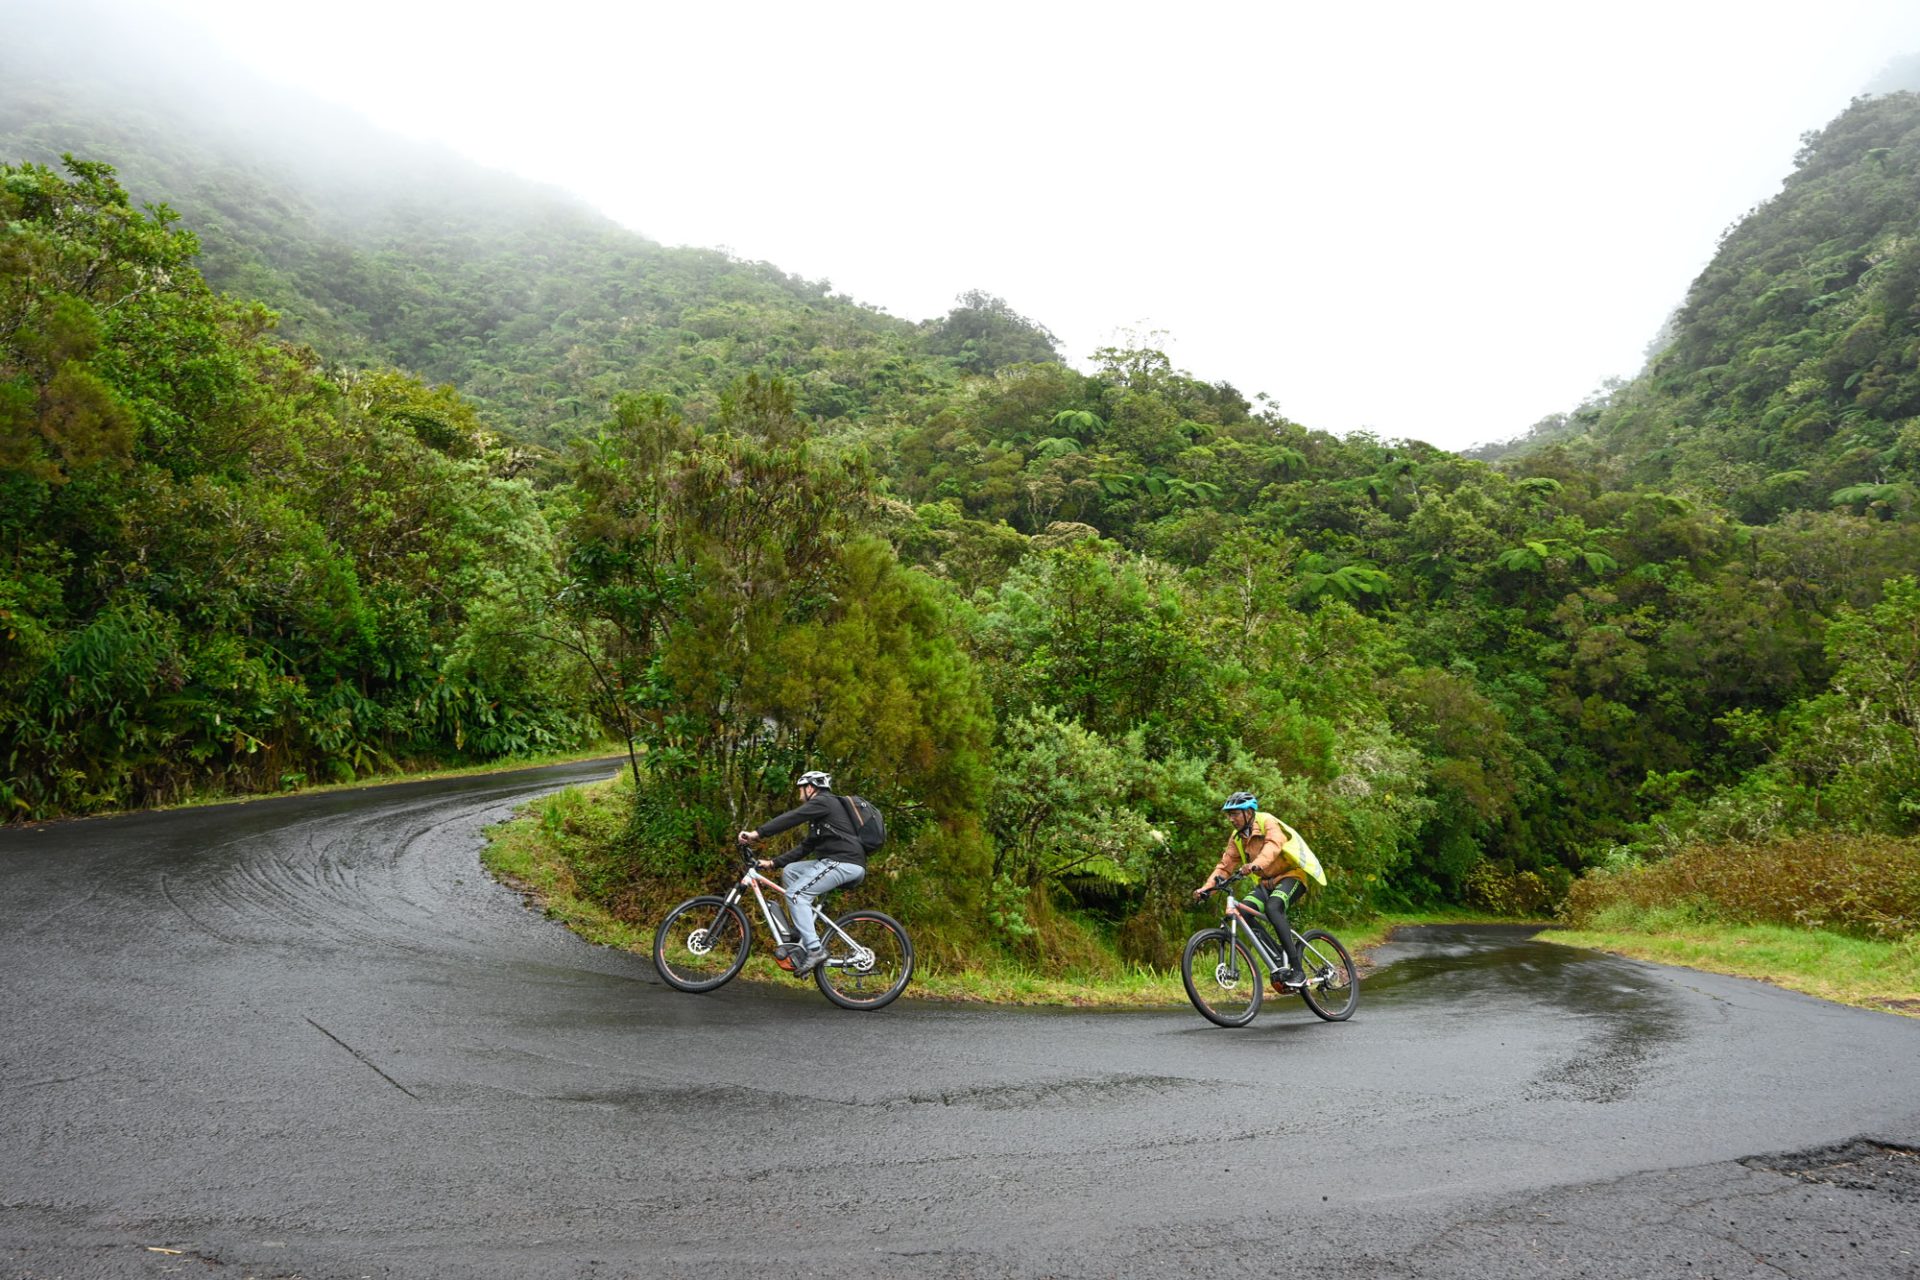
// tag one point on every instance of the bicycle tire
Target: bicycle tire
(691, 962)
(1228, 991)
(1333, 984)
(886, 975)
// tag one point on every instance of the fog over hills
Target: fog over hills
(379, 249)
(1790, 377)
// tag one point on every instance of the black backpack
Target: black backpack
(864, 822)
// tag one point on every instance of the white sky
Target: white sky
(1436, 221)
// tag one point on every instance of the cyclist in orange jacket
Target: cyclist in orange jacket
(1264, 844)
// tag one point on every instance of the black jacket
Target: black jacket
(828, 831)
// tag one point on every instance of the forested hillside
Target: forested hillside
(1792, 378)
(1045, 617)
(375, 250)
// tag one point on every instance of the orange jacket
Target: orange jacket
(1262, 849)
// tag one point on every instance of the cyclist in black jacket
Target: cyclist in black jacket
(829, 858)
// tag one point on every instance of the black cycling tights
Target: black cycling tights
(1274, 903)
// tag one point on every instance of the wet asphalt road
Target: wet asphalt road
(310, 1037)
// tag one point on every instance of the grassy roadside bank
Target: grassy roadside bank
(1817, 962)
(527, 854)
(387, 778)
(1826, 912)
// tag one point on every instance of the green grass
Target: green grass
(525, 854)
(1857, 971)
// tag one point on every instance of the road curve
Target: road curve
(310, 1037)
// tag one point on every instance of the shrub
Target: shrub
(1863, 885)
(1495, 887)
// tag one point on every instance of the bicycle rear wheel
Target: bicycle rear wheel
(701, 944)
(869, 960)
(1222, 979)
(1333, 986)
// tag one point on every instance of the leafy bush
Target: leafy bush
(1864, 885)
(1496, 887)
(220, 567)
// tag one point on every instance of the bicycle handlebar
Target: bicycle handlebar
(1218, 885)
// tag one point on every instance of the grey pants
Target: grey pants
(805, 881)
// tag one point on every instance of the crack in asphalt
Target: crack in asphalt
(1706, 1202)
(1128, 1147)
(364, 1059)
(1103, 1088)
(36, 926)
(1118, 1089)
(41, 1084)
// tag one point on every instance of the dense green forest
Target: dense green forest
(323, 475)
(1789, 379)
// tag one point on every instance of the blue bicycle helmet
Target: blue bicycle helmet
(1240, 800)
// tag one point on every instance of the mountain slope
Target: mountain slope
(1793, 377)
(379, 251)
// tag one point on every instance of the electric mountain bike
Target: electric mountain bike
(703, 944)
(1223, 979)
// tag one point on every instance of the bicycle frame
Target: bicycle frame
(862, 957)
(1241, 921)
(1238, 922)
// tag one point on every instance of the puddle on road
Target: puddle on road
(1624, 1021)
(1496, 961)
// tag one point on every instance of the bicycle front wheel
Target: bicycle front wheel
(1222, 979)
(1333, 985)
(701, 944)
(869, 960)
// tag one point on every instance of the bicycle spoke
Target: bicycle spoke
(701, 944)
(1333, 984)
(1222, 977)
(869, 960)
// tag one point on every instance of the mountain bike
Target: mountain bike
(1224, 982)
(703, 944)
